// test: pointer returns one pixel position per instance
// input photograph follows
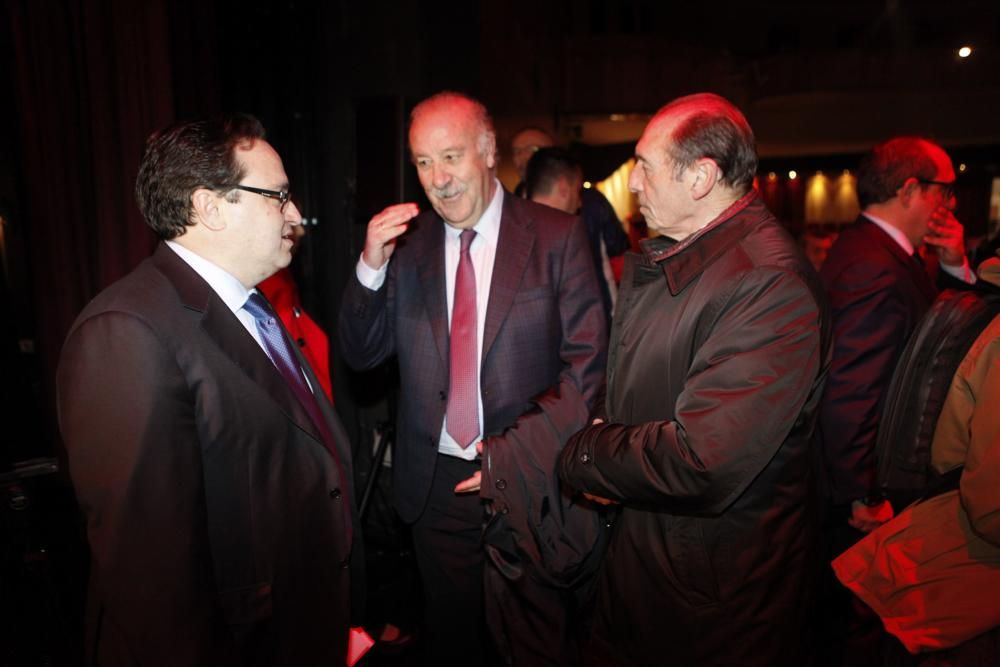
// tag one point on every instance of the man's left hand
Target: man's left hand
(473, 483)
(867, 518)
(947, 236)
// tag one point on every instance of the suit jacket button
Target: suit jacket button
(585, 457)
(344, 564)
(501, 484)
(335, 494)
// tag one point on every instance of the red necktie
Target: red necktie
(463, 397)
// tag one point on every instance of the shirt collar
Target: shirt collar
(896, 235)
(488, 226)
(230, 290)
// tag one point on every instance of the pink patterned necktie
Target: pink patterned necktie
(463, 397)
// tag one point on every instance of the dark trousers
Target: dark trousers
(446, 542)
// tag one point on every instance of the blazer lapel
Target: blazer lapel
(514, 244)
(917, 271)
(222, 326)
(432, 280)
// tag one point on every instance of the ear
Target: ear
(207, 209)
(563, 187)
(491, 150)
(705, 174)
(909, 189)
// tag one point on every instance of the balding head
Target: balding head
(694, 159)
(458, 105)
(706, 125)
(453, 147)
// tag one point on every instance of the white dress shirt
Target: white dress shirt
(230, 290)
(483, 253)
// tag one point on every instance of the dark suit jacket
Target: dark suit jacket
(219, 520)
(544, 326)
(878, 294)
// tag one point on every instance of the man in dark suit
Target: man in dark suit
(491, 305)
(879, 290)
(607, 238)
(213, 472)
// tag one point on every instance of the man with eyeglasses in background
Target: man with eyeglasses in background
(879, 289)
(213, 473)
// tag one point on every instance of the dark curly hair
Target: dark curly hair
(186, 156)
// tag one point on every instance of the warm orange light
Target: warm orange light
(962, 167)
(965, 52)
(792, 175)
(587, 184)
(771, 176)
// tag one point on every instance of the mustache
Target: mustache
(448, 191)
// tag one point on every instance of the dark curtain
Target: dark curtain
(92, 79)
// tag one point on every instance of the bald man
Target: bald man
(491, 306)
(719, 352)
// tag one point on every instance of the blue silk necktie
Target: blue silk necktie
(276, 343)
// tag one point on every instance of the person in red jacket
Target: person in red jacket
(281, 290)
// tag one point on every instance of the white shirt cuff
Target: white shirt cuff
(963, 272)
(369, 277)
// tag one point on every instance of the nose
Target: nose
(634, 180)
(292, 214)
(440, 176)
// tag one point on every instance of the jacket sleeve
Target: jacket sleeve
(978, 396)
(582, 350)
(615, 239)
(534, 522)
(869, 332)
(365, 325)
(745, 389)
(128, 421)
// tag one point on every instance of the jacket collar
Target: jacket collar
(513, 251)
(684, 261)
(517, 237)
(221, 325)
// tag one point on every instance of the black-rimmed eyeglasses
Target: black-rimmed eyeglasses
(947, 187)
(282, 196)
